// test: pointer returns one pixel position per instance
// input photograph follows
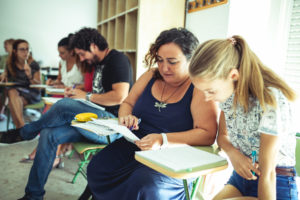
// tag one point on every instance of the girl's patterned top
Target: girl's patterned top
(244, 129)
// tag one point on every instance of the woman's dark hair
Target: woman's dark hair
(65, 42)
(85, 37)
(186, 40)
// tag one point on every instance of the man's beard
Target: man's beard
(92, 62)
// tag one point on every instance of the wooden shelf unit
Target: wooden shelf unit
(130, 26)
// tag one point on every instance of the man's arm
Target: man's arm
(114, 97)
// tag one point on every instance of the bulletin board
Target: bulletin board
(198, 5)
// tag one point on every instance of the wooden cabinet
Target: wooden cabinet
(130, 26)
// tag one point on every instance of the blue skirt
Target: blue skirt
(114, 174)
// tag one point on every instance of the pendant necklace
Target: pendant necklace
(163, 104)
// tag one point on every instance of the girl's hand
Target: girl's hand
(243, 165)
(150, 142)
(130, 121)
(49, 81)
(27, 70)
(3, 78)
(68, 92)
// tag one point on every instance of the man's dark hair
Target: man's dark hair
(85, 37)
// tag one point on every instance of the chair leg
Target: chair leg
(81, 164)
(186, 190)
(71, 154)
(8, 118)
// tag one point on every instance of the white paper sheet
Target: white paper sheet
(182, 158)
(107, 126)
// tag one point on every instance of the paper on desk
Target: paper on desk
(55, 90)
(107, 127)
(182, 158)
(40, 86)
(51, 100)
(90, 104)
(95, 128)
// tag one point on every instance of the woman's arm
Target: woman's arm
(267, 163)
(57, 82)
(125, 111)
(36, 78)
(204, 115)
(241, 163)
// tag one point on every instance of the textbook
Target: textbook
(106, 127)
(90, 104)
(183, 158)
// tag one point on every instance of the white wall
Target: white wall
(44, 23)
(264, 25)
(209, 23)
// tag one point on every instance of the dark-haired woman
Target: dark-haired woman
(69, 73)
(22, 69)
(170, 109)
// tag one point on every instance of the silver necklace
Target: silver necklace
(163, 104)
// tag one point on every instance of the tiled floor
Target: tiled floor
(14, 175)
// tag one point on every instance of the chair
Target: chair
(85, 149)
(297, 154)
(37, 106)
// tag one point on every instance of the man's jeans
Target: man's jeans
(54, 128)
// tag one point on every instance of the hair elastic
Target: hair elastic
(232, 40)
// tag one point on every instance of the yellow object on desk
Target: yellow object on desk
(84, 117)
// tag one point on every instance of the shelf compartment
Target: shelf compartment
(104, 10)
(130, 30)
(132, 58)
(131, 4)
(111, 8)
(111, 34)
(99, 13)
(119, 34)
(104, 28)
(120, 6)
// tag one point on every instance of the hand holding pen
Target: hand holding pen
(27, 70)
(130, 121)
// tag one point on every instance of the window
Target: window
(292, 67)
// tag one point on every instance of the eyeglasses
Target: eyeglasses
(23, 49)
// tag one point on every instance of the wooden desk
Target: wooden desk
(185, 174)
(4, 84)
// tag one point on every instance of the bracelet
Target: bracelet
(165, 141)
(88, 96)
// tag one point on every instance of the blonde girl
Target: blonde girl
(256, 118)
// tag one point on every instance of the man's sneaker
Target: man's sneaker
(10, 136)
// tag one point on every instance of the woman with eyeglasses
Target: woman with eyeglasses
(22, 70)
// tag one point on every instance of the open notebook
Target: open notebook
(182, 158)
(106, 127)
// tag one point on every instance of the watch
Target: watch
(165, 141)
(88, 96)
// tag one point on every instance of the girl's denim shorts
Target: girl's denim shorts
(286, 187)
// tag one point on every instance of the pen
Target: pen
(139, 121)
(253, 160)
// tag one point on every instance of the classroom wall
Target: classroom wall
(209, 23)
(264, 24)
(44, 23)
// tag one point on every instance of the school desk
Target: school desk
(197, 172)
